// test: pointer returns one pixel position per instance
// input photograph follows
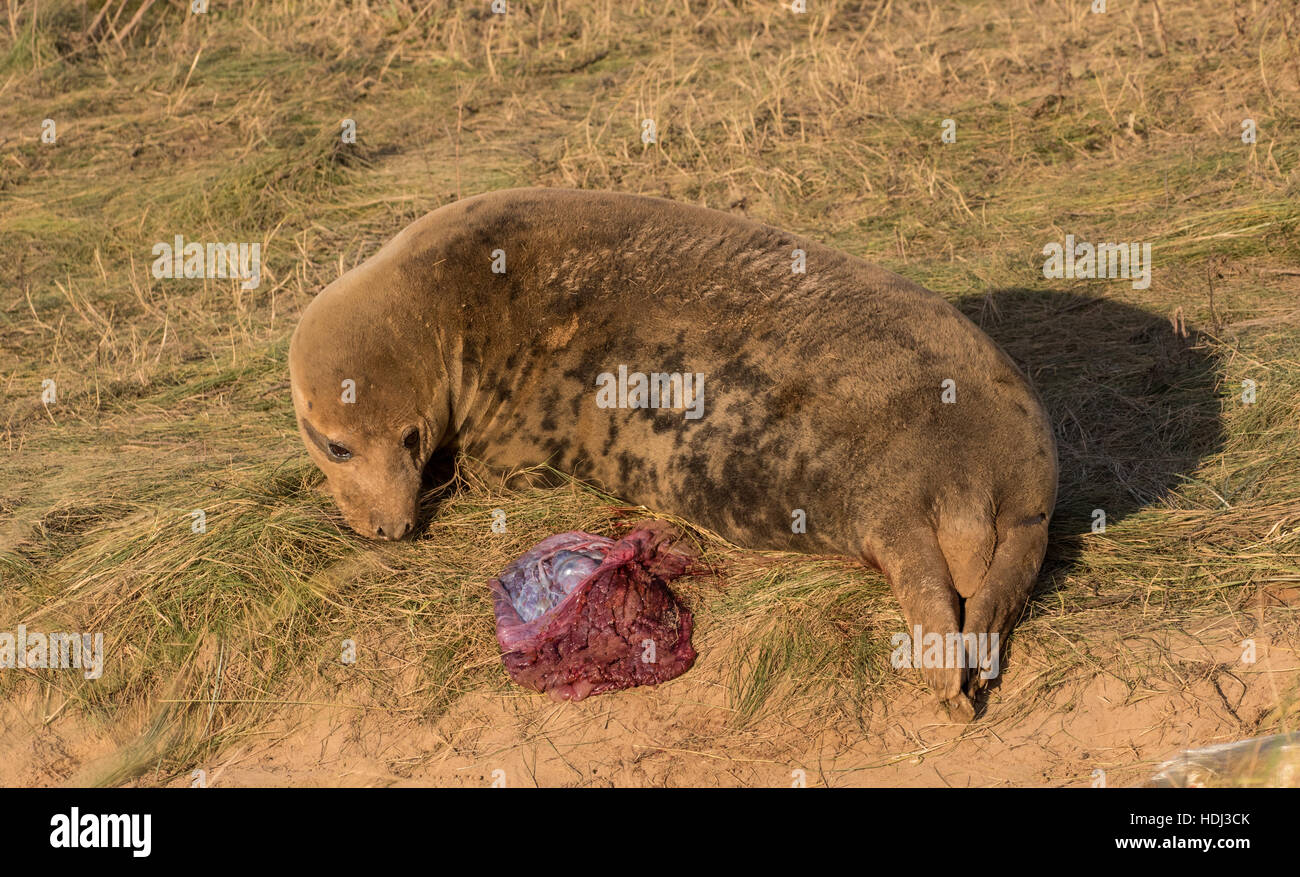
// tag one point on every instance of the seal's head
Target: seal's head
(367, 409)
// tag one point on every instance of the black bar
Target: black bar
(332, 828)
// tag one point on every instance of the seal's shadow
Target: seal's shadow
(1132, 402)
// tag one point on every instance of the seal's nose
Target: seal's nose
(393, 532)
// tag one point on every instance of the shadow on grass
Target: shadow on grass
(1132, 402)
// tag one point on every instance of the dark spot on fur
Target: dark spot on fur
(788, 398)
(663, 421)
(556, 448)
(738, 374)
(611, 436)
(550, 402)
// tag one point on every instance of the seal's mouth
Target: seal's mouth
(397, 532)
(373, 523)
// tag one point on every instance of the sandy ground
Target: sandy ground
(681, 733)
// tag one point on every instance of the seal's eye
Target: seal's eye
(337, 452)
(412, 439)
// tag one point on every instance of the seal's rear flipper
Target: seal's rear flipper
(996, 605)
(918, 575)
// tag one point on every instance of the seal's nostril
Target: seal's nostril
(379, 531)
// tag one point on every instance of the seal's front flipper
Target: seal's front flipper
(919, 577)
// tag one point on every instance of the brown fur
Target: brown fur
(822, 391)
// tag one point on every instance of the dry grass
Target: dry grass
(224, 127)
